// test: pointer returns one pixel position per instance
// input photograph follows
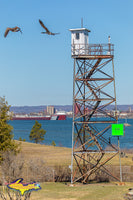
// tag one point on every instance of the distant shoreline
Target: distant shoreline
(67, 108)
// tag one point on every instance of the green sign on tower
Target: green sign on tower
(117, 129)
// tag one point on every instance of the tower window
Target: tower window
(77, 36)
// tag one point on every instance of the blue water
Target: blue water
(57, 131)
(60, 132)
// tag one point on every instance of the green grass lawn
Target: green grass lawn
(62, 191)
(108, 191)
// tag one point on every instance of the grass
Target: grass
(61, 155)
(60, 191)
(50, 154)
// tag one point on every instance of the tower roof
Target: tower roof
(79, 29)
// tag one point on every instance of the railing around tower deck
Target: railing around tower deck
(92, 49)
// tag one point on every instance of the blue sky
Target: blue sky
(37, 69)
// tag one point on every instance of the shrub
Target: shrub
(62, 174)
(12, 166)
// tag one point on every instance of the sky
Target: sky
(37, 69)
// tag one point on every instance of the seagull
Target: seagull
(47, 31)
(15, 29)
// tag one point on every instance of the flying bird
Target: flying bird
(47, 31)
(15, 29)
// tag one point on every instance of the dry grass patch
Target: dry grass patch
(50, 154)
(61, 155)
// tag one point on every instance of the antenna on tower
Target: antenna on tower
(109, 39)
(82, 22)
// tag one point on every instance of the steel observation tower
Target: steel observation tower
(93, 92)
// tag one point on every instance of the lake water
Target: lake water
(61, 131)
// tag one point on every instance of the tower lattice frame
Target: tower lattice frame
(93, 92)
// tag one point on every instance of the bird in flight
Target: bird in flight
(47, 31)
(15, 29)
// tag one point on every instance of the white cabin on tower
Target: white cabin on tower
(79, 41)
